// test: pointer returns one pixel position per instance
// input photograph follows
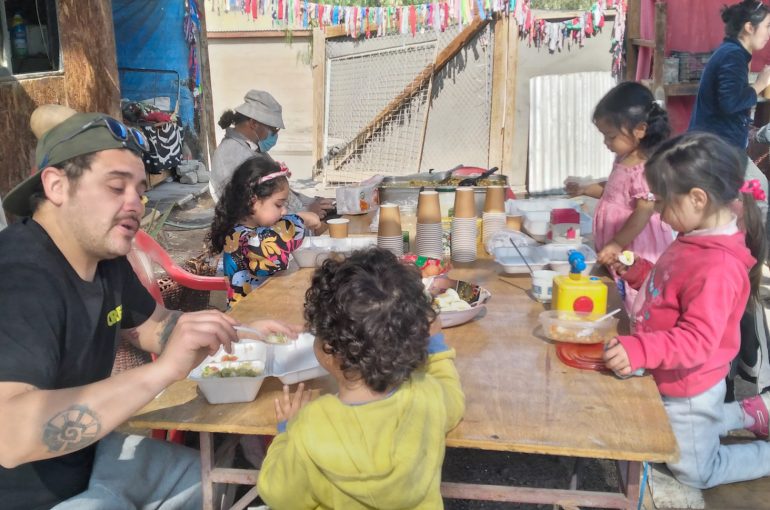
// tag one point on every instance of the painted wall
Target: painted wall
(271, 64)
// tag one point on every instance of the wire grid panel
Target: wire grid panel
(360, 86)
(458, 124)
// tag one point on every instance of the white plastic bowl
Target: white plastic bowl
(438, 284)
(579, 328)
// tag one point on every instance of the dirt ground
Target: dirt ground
(468, 465)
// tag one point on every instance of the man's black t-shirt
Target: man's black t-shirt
(58, 331)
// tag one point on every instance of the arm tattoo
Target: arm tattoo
(169, 323)
(71, 430)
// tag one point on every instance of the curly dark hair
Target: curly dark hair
(239, 196)
(372, 313)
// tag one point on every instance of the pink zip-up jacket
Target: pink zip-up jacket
(688, 329)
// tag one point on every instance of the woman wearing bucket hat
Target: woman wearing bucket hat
(252, 128)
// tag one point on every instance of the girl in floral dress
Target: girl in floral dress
(251, 228)
(633, 124)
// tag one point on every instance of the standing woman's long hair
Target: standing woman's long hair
(239, 196)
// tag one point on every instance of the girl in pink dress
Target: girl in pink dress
(633, 124)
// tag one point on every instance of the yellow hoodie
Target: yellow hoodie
(385, 454)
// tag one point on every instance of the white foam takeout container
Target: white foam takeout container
(552, 255)
(314, 250)
(292, 362)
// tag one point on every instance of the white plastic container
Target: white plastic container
(536, 224)
(580, 328)
(291, 363)
(540, 205)
(314, 250)
(557, 255)
(542, 285)
(512, 262)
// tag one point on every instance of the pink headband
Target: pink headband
(752, 187)
(283, 172)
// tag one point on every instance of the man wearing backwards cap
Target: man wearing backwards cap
(66, 292)
(255, 125)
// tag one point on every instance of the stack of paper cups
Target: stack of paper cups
(389, 235)
(493, 219)
(429, 229)
(464, 229)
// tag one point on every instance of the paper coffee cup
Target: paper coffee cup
(338, 227)
(390, 221)
(495, 199)
(513, 222)
(428, 208)
(542, 285)
(465, 202)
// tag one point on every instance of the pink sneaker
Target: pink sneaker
(756, 407)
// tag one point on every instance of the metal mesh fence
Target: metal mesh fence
(365, 78)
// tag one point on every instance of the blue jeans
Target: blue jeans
(139, 473)
(698, 422)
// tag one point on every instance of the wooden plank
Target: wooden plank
(553, 15)
(258, 34)
(410, 90)
(560, 497)
(499, 93)
(207, 137)
(233, 475)
(682, 89)
(515, 175)
(319, 95)
(647, 43)
(334, 31)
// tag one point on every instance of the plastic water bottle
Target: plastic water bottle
(19, 36)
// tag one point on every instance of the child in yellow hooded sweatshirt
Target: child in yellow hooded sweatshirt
(379, 443)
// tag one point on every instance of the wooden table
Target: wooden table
(519, 397)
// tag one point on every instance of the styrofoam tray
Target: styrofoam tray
(314, 250)
(539, 205)
(557, 255)
(291, 363)
(512, 263)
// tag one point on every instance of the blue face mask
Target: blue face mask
(268, 143)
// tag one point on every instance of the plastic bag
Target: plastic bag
(359, 199)
(503, 238)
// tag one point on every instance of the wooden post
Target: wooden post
(510, 109)
(319, 98)
(658, 55)
(208, 138)
(498, 106)
(633, 32)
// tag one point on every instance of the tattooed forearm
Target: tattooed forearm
(168, 325)
(71, 430)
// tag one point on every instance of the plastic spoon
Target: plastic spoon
(260, 334)
(607, 316)
(531, 272)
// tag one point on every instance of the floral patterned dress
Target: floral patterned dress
(251, 255)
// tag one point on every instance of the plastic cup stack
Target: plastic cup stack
(429, 229)
(493, 218)
(464, 228)
(389, 234)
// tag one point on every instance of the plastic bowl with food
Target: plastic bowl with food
(577, 328)
(456, 302)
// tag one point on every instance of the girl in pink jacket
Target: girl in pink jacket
(686, 318)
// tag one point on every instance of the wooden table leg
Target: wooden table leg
(629, 474)
(207, 465)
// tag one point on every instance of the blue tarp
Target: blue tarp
(149, 34)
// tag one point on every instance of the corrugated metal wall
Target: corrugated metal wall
(562, 138)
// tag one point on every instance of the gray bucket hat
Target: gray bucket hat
(262, 107)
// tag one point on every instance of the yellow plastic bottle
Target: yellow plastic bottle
(577, 292)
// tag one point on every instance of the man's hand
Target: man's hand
(194, 336)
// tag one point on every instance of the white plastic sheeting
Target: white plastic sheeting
(562, 138)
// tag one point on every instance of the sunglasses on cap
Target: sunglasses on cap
(120, 132)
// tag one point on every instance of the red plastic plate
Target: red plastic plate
(583, 356)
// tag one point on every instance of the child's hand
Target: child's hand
(573, 187)
(435, 326)
(287, 407)
(609, 253)
(618, 268)
(312, 220)
(616, 358)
